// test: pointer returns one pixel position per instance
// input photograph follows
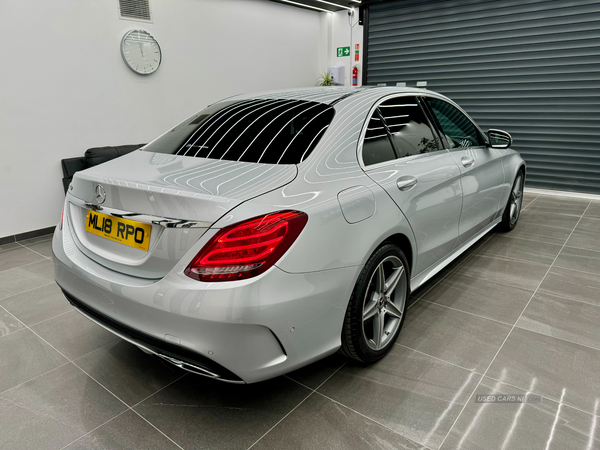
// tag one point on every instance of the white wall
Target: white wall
(64, 87)
(341, 38)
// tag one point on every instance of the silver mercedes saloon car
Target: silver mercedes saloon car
(270, 230)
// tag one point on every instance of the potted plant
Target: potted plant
(325, 80)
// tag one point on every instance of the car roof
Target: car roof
(328, 94)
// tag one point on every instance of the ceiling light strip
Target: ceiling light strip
(335, 4)
(306, 6)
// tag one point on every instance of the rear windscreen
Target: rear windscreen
(264, 131)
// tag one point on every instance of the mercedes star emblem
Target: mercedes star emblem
(100, 193)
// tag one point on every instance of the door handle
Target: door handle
(467, 161)
(406, 183)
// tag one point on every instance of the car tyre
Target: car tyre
(512, 212)
(376, 310)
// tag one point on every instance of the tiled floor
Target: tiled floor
(517, 314)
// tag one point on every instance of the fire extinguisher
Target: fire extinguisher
(355, 76)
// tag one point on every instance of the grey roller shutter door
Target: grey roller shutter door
(531, 68)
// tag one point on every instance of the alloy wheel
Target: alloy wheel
(516, 199)
(384, 303)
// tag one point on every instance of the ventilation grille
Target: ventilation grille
(135, 9)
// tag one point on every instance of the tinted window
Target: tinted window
(377, 146)
(459, 130)
(265, 131)
(408, 126)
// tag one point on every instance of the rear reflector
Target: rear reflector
(62, 215)
(248, 248)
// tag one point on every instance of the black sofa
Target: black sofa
(93, 157)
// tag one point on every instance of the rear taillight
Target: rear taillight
(248, 248)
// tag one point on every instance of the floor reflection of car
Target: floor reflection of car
(270, 230)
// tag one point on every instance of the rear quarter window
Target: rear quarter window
(260, 131)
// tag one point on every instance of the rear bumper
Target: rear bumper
(175, 354)
(242, 331)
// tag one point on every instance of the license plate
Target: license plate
(125, 231)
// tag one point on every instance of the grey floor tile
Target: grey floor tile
(66, 401)
(21, 279)
(467, 254)
(44, 269)
(586, 235)
(564, 319)
(415, 298)
(558, 368)
(540, 233)
(74, 335)
(559, 205)
(320, 423)
(521, 426)
(527, 199)
(25, 356)
(407, 391)
(316, 373)
(10, 246)
(522, 274)
(549, 219)
(561, 198)
(126, 432)
(593, 210)
(451, 268)
(37, 240)
(430, 284)
(507, 246)
(23, 429)
(454, 336)
(38, 304)
(200, 413)
(43, 247)
(482, 297)
(572, 284)
(579, 259)
(8, 323)
(473, 248)
(126, 371)
(18, 256)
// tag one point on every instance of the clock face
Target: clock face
(141, 52)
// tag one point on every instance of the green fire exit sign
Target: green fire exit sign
(343, 51)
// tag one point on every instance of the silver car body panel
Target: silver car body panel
(482, 183)
(166, 191)
(165, 222)
(177, 362)
(433, 204)
(292, 314)
(185, 188)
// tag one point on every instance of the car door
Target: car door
(482, 175)
(402, 153)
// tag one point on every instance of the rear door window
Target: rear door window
(377, 147)
(408, 126)
(260, 131)
(460, 132)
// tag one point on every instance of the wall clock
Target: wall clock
(141, 52)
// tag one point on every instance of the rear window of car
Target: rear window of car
(259, 131)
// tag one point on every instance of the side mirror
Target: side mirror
(499, 139)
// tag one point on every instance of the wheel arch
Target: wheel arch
(403, 242)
